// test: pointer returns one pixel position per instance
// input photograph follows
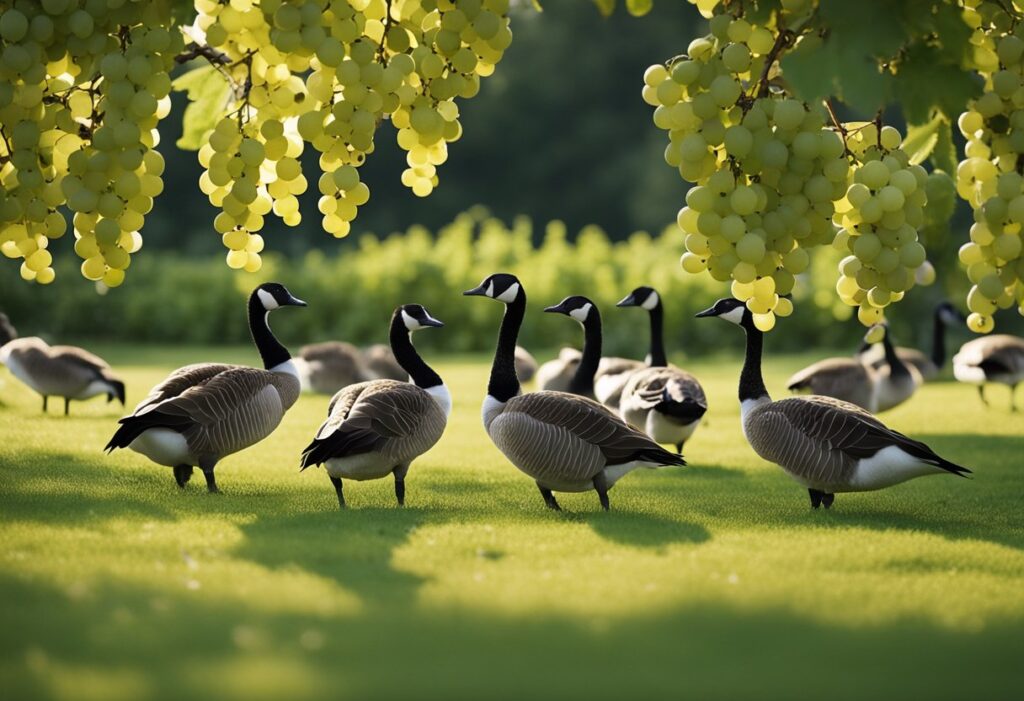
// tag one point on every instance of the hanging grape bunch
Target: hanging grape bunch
(84, 83)
(773, 175)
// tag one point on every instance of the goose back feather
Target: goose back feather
(845, 379)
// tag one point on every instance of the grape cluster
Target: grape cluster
(880, 216)
(82, 89)
(989, 176)
(326, 73)
(767, 171)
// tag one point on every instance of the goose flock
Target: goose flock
(593, 420)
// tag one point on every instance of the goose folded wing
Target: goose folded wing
(80, 358)
(180, 381)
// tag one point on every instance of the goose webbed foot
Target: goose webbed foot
(336, 481)
(182, 474)
(601, 486)
(549, 498)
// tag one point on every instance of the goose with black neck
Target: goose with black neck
(565, 442)
(202, 413)
(586, 313)
(377, 428)
(944, 317)
(668, 403)
(825, 444)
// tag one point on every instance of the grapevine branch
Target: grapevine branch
(194, 51)
(837, 124)
(387, 27)
(784, 40)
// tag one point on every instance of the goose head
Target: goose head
(577, 307)
(732, 310)
(273, 295)
(116, 391)
(643, 297)
(416, 317)
(949, 315)
(500, 286)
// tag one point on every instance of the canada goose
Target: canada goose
(846, 379)
(944, 316)
(825, 444)
(381, 363)
(205, 412)
(584, 311)
(565, 442)
(555, 375)
(7, 331)
(665, 401)
(896, 381)
(526, 364)
(377, 428)
(326, 367)
(61, 371)
(998, 358)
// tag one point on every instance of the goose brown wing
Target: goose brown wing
(397, 418)
(181, 380)
(80, 357)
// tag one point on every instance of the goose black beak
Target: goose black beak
(477, 291)
(556, 309)
(294, 301)
(431, 321)
(627, 301)
(707, 312)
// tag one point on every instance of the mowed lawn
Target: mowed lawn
(714, 581)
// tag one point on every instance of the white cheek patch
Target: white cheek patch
(410, 323)
(267, 300)
(651, 302)
(490, 289)
(509, 295)
(582, 313)
(734, 315)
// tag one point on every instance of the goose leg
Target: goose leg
(400, 472)
(182, 474)
(827, 499)
(211, 481)
(601, 485)
(679, 448)
(549, 498)
(67, 406)
(336, 481)
(45, 401)
(981, 393)
(816, 498)
(1013, 397)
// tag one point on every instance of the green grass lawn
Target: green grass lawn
(714, 581)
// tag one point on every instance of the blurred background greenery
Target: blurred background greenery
(558, 134)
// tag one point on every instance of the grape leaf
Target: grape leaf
(208, 92)
(922, 138)
(944, 153)
(639, 8)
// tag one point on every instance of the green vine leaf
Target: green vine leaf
(922, 138)
(944, 154)
(208, 92)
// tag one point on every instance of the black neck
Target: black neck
(583, 381)
(401, 345)
(896, 366)
(657, 355)
(751, 382)
(271, 350)
(938, 340)
(504, 384)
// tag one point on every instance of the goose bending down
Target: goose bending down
(825, 444)
(7, 331)
(998, 358)
(555, 375)
(665, 401)
(326, 367)
(205, 412)
(565, 442)
(896, 381)
(60, 371)
(381, 363)
(377, 428)
(945, 316)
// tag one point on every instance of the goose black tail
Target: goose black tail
(951, 467)
(337, 445)
(660, 456)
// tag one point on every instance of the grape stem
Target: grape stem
(384, 36)
(838, 125)
(194, 51)
(784, 40)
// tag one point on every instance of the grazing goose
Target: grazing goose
(60, 371)
(825, 444)
(896, 381)
(377, 428)
(945, 316)
(555, 375)
(526, 364)
(7, 331)
(381, 363)
(326, 367)
(566, 443)
(205, 412)
(584, 311)
(665, 401)
(998, 358)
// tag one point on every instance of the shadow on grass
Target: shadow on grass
(642, 529)
(121, 642)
